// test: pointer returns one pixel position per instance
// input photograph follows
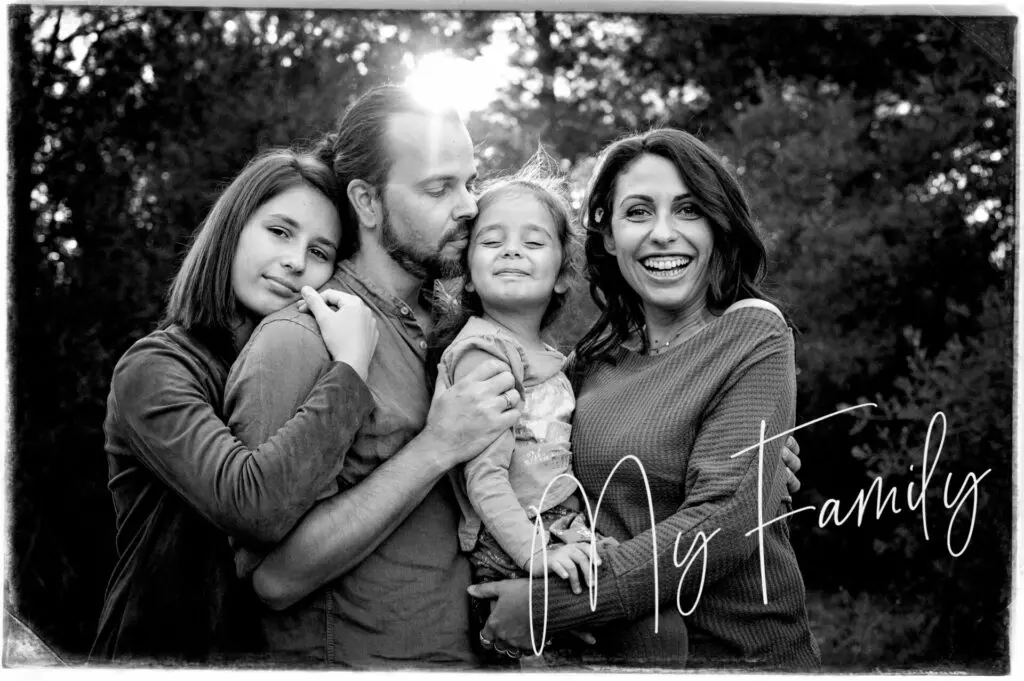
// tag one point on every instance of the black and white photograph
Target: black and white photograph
(673, 338)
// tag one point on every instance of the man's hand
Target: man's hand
(471, 414)
(791, 459)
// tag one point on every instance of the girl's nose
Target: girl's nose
(295, 261)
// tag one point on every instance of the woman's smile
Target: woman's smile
(666, 266)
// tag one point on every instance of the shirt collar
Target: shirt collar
(359, 281)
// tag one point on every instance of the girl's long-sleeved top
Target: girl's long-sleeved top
(506, 486)
(182, 482)
(684, 413)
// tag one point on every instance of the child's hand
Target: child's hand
(566, 561)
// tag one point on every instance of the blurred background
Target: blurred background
(878, 153)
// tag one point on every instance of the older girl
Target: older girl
(180, 481)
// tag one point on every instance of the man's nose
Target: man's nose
(466, 208)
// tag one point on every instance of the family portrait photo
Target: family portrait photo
(511, 340)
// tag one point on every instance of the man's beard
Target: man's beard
(423, 263)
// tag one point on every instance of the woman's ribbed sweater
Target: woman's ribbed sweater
(684, 413)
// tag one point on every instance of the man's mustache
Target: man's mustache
(458, 233)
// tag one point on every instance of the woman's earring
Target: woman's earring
(469, 287)
(598, 215)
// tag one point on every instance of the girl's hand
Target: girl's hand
(566, 561)
(347, 325)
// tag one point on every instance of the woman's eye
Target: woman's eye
(691, 211)
(637, 212)
(437, 192)
(277, 231)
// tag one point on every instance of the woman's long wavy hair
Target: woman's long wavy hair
(201, 299)
(738, 261)
(539, 178)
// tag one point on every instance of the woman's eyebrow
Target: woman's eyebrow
(645, 197)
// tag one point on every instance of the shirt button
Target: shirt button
(423, 345)
(405, 310)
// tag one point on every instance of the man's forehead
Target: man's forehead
(424, 145)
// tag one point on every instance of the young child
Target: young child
(521, 256)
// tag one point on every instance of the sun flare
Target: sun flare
(439, 80)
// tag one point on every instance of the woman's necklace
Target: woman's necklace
(658, 347)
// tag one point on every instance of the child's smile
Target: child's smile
(515, 255)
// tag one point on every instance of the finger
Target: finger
(584, 636)
(790, 460)
(508, 400)
(792, 482)
(487, 634)
(339, 298)
(574, 577)
(498, 383)
(579, 557)
(316, 304)
(793, 445)
(486, 370)
(485, 590)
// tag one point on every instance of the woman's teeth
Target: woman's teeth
(666, 267)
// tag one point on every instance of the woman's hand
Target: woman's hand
(510, 613)
(347, 325)
(566, 561)
(791, 459)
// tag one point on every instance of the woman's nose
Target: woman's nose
(663, 231)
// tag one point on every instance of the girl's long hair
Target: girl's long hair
(738, 262)
(540, 178)
(201, 299)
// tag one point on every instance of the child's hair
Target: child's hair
(201, 299)
(541, 178)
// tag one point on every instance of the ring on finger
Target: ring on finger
(513, 652)
(486, 642)
(508, 400)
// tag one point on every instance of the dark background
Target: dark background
(878, 153)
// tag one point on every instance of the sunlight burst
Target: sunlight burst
(439, 80)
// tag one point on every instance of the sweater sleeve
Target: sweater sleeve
(259, 491)
(486, 476)
(721, 497)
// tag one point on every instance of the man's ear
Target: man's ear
(366, 201)
(609, 243)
